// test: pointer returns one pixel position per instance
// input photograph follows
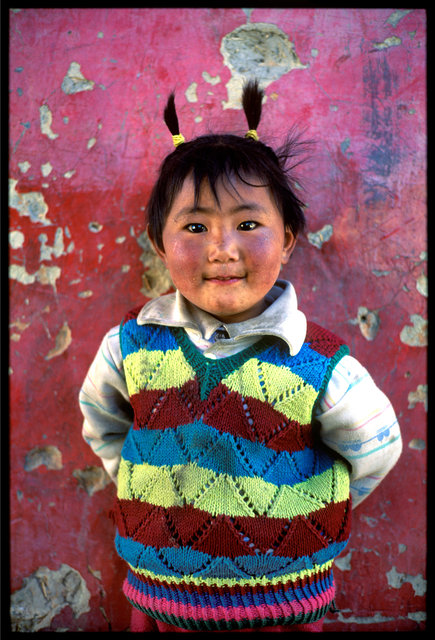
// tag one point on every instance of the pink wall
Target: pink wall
(87, 88)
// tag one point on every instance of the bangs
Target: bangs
(217, 164)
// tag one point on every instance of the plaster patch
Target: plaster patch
(56, 250)
(155, 279)
(92, 479)
(375, 619)
(46, 169)
(415, 336)
(75, 81)
(31, 204)
(91, 143)
(210, 79)
(391, 41)
(44, 275)
(396, 579)
(24, 166)
(95, 227)
(191, 92)
(420, 395)
(379, 273)
(63, 341)
(49, 456)
(46, 119)
(256, 50)
(417, 616)
(418, 444)
(318, 238)
(343, 563)
(69, 174)
(21, 326)
(397, 15)
(44, 594)
(421, 284)
(368, 322)
(16, 239)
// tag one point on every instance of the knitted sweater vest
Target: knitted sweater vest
(229, 512)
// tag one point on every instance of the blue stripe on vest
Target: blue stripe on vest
(182, 561)
(222, 453)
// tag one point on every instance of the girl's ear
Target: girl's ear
(289, 244)
(160, 251)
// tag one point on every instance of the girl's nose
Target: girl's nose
(223, 248)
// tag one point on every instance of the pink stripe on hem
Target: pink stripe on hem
(180, 610)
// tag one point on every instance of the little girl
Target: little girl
(239, 433)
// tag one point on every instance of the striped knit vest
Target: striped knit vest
(229, 512)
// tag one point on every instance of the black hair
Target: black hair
(218, 156)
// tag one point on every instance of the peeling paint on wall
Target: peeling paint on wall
(396, 16)
(46, 120)
(46, 169)
(210, 79)
(75, 81)
(56, 250)
(155, 279)
(368, 322)
(420, 395)
(421, 285)
(44, 275)
(30, 204)
(49, 456)
(396, 579)
(16, 239)
(24, 166)
(415, 336)
(63, 341)
(92, 479)
(318, 238)
(259, 50)
(418, 444)
(344, 562)
(190, 92)
(391, 41)
(44, 594)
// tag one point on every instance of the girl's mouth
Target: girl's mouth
(225, 279)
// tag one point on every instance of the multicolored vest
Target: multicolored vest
(229, 511)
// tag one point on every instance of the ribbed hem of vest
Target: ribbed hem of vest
(231, 625)
(285, 606)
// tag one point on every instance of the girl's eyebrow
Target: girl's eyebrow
(243, 206)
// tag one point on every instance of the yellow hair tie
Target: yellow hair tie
(252, 134)
(178, 139)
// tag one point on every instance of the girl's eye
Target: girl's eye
(195, 227)
(248, 225)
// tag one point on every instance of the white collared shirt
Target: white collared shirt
(356, 418)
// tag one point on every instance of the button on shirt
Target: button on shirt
(355, 417)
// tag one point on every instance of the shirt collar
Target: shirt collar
(281, 319)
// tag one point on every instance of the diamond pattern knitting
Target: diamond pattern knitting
(229, 512)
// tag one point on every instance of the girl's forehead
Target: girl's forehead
(230, 196)
(233, 187)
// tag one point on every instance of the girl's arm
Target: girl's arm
(358, 422)
(105, 404)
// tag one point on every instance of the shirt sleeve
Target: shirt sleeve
(358, 421)
(104, 403)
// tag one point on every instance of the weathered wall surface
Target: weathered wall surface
(87, 88)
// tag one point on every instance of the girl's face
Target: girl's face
(225, 258)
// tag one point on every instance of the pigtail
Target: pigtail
(252, 98)
(171, 120)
